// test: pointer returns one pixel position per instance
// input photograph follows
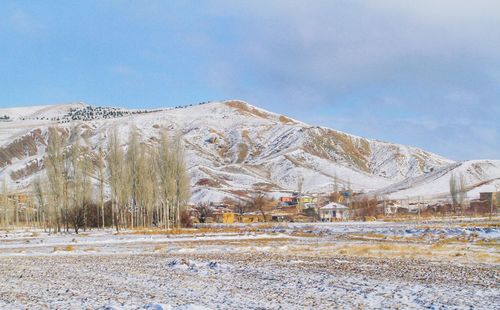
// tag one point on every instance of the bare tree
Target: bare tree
(146, 196)
(80, 169)
(260, 203)
(54, 164)
(39, 193)
(335, 183)
(165, 184)
(133, 172)
(458, 191)
(116, 177)
(5, 203)
(300, 184)
(203, 211)
(181, 178)
(101, 178)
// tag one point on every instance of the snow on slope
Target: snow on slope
(41, 111)
(24, 119)
(232, 148)
(479, 176)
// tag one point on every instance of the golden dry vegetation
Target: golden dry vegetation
(327, 142)
(245, 109)
(285, 120)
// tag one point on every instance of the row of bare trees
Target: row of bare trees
(124, 185)
(152, 186)
(10, 211)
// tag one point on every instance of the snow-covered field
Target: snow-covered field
(433, 264)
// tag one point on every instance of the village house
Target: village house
(388, 207)
(303, 199)
(296, 200)
(225, 217)
(333, 212)
(283, 214)
(250, 217)
(287, 201)
(19, 198)
(490, 197)
(221, 213)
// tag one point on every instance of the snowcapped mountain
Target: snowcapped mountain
(479, 176)
(233, 148)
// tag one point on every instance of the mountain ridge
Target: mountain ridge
(233, 148)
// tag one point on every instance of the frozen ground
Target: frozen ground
(436, 265)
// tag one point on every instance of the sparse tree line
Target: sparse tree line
(125, 186)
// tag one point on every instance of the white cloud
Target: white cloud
(21, 22)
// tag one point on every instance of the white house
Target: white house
(333, 211)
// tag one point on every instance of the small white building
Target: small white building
(333, 212)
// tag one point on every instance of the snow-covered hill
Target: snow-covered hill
(479, 176)
(232, 148)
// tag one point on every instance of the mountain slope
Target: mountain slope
(232, 148)
(479, 176)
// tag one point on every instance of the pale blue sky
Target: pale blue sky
(423, 73)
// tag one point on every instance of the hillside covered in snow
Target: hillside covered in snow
(233, 149)
(479, 176)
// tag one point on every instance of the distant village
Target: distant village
(20, 208)
(337, 206)
(294, 207)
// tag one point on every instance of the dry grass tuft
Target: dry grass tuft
(486, 242)
(304, 234)
(67, 248)
(481, 225)
(158, 248)
(374, 235)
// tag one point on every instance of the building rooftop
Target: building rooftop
(333, 206)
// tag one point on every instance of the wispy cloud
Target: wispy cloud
(421, 67)
(21, 22)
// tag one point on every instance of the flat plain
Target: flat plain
(429, 264)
